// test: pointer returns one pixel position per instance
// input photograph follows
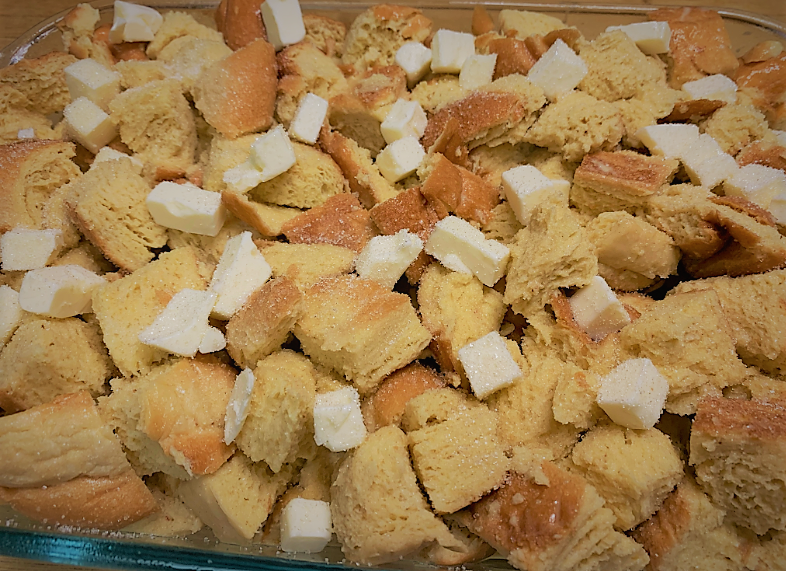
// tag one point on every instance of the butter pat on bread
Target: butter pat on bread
(306, 526)
(61, 291)
(597, 310)
(400, 159)
(88, 78)
(526, 187)
(385, 258)
(283, 22)
(415, 59)
(237, 408)
(650, 37)
(308, 120)
(449, 50)
(271, 155)
(187, 208)
(558, 71)
(182, 326)
(241, 270)
(89, 124)
(488, 364)
(633, 394)
(134, 23)
(22, 249)
(338, 422)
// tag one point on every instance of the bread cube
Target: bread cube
(340, 221)
(306, 264)
(624, 174)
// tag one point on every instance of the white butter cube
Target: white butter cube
(717, 87)
(778, 208)
(650, 37)
(415, 59)
(488, 364)
(400, 159)
(23, 249)
(283, 22)
(180, 328)
(23, 134)
(88, 78)
(477, 71)
(187, 208)
(213, 341)
(271, 155)
(758, 183)
(241, 270)
(633, 394)
(461, 247)
(306, 526)
(669, 140)
(449, 50)
(237, 407)
(10, 313)
(110, 154)
(405, 119)
(60, 291)
(597, 310)
(308, 120)
(134, 23)
(88, 124)
(385, 258)
(526, 187)
(338, 422)
(558, 71)
(706, 163)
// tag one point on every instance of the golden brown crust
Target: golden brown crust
(664, 530)
(341, 221)
(513, 56)
(240, 21)
(481, 21)
(693, 110)
(766, 80)
(773, 156)
(451, 188)
(267, 219)
(725, 417)
(624, 173)
(386, 406)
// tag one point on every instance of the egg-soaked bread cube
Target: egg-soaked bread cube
(737, 447)
(128, 305)
(360, 329)
(340, 220)
(280, 413)
(41, 80)
(173, 518)
(633, 470)
(379, 513)
(176, 25)
(306, 264)
(624, 174)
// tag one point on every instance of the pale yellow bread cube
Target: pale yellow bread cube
(41, 80)
(172, 519)
(186, 57)
(325, 33)
(625, 175)
(177, 25)
(267, 219)
(306, 264)
(736, 126)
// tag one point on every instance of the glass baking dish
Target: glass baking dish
(21, 537)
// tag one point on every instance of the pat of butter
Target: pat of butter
(400, 159)
(385, 258)
(237, 407)
(758, 183)
(338, 422)
(405, 119)
(449, 50)
(477, 71)
(28, 133)
(283, 22)
(271, 155)
(60, 291)
(716, 87)
(241, 270)
(488, 364)
(461, 247)
(633, 394)
(10, 313)
(306, 526)
(308, 120)
(88, 78)
(110, 154)
(526, 187)
(706, 163)
(213, 341)
(187, 208)
(650, 37)
(88, 124)
(597, 310)
(24, 249)
(558, 71)
(134, 23)
(668, 140)
(415, 59)
(180, 328)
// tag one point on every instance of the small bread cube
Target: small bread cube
(88, 78)
(340, 221)
(306, 526)
(306, 264)
(22, 249)
(338, 421)
(488, 364)
(513, 56)
(88, 124)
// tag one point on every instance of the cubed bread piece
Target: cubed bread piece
(235, 500)
(156, 122)
(375, 36)
(128, 305)
(325, 33)
(458, 460)
(77, 29)
(552, 520)
(304, 68)
(107, 204)
(137, 73)
(17, 113)
(240, 22)
(47, 358)
(371, 331)
(223, 154)
(237, 95)
(737, 448)
(699, 45)
(386, 406)
(306, 264)
(687, 337)
(763, 82)
(280, 413)
(379, 513)
(208, 249)
(755, 309)
(340, 221)
(688, 533)
(576, 125)
(87, 256)
(357, 167)
(30, 172)
(264, 322)
(313, 179)
(267, 219)
(617, 68)
(187, 57)
(625, 174)
(41, 80)
(632, 470)
(523, 24)
(552, 252)
(437, 90)
(575, 399)
(457, 309)
(172, 519)
(735, 126)
(177, 25)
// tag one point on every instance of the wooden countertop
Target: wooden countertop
(18, 16)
